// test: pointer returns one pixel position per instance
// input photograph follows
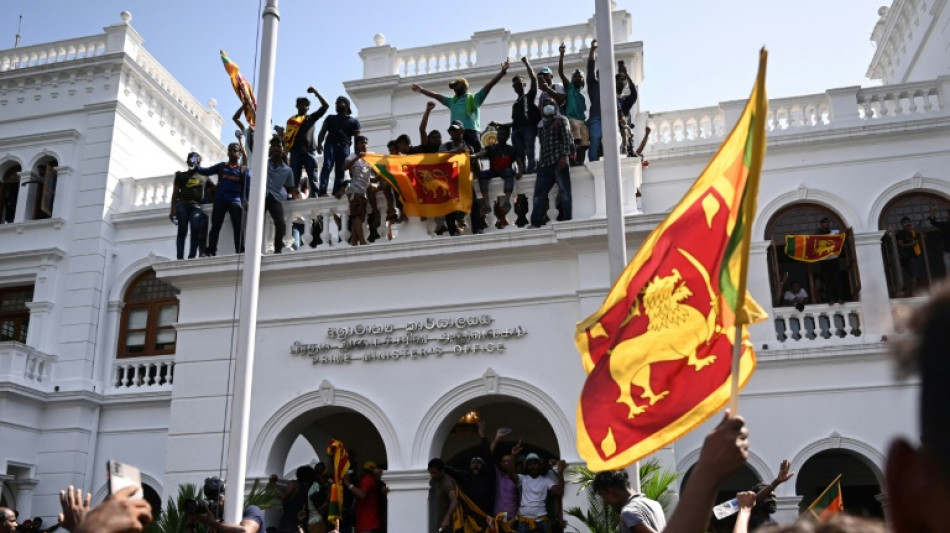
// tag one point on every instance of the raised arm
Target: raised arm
(724, 451)
(784, 474)
(746, 503)
(560, 64)
(592, 82)
(501, 74)
(324, 105)
(237, 117)
(515, 451)
(531, 75)
(558, 490)
(424, 123)
(427, 92)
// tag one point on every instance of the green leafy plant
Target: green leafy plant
(655, 483)
(172, 519)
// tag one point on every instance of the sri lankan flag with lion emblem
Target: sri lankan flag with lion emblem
(429, 185)
(658, 351)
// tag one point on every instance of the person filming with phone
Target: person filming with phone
(210, 510)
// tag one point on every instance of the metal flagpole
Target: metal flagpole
(247, 320)
(613, 188)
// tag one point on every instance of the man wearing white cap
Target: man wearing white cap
(532, 513)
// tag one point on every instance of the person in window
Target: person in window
(829, 269)
(908, 249)
(796, 295)
(944, 227)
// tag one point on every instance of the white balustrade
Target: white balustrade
(38, 367)
(818, 323)
(143, 374)
(26, 365)
(171, 85)
(544, 43)
(897, 101)
(834, 109)
(55, 52)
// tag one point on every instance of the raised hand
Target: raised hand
(524, 59)
(561, 49)
(75, 507)
(784, 472)
(415, 88)
(746, 499)
(505, 65)
(593, 44)
(429, 105)
(119, 513)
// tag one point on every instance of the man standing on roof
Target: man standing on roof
(464, 106)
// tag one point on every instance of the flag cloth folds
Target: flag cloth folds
(813, 248)
(340, 465)
(242, 88)
(658, 351)
(430, 185)
(829, 503)
(468, 516)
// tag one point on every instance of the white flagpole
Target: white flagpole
(613, 188)
(247, 320)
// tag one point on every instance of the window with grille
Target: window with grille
(903, 279)
(148, 318)
(14, 315)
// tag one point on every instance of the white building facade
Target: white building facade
(114, 350)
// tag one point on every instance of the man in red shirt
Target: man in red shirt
(367, 493)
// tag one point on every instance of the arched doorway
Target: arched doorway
(309, 435)
(824, 281)
(860, 486)
(928, 266)
(526, 423)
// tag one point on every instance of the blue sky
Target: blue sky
(696, 53)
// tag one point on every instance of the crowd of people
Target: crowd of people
(524, 493)
(553, 126)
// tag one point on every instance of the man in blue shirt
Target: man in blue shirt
(229, 197)
(280, 181)
(464, 106)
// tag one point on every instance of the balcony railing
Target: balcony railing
(837, 108)
(817, 324)
(25, 365)
(143, 374)
(55, 52)
(151, 196)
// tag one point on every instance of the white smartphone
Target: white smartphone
(121, 475)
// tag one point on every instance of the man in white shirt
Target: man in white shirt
(532, 513)
(638, 514)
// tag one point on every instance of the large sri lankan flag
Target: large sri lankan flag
(430, 185)
(242, 88)
(658, 351)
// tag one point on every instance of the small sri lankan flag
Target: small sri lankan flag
(829, 503)
(658, 352)
(242, 88)
(340, 464)
(813, 248)
(429, 185)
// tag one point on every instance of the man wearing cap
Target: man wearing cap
(464, 106)
(532, 513)
(575, 107)
(338, 131)
(298, 137)
(367, 496)
(550, 91)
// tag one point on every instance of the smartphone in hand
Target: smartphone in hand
(121, 475)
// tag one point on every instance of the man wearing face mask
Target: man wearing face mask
(556, 146)
(464, 106)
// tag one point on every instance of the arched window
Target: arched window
(43, 181)
(9, 190)
(825, 281)
(148, 318)
(911, 268)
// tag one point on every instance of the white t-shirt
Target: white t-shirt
(642, 510)
(790, 296)
(534, 491)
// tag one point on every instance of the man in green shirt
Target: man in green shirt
(464, 106)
